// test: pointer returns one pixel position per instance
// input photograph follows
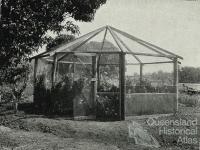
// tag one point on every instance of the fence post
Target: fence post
(94, 82)
(175, 84)
(122, 85)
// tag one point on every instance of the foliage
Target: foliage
(59, 100)
(108, 106)
(107, 87)
(106, 71)
(144, 87)
(130, 85)
(189, 75)
(164, 77)
(24, 24)
(6, 94)
(60, 39)
(63, 94)
(23, 29)
(156, 82)
(189, 100)
(41, 95)
(108, 103)
(13, 81)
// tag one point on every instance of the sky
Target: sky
(171, 24)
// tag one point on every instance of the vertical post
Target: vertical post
(94, 83)
(55, 60)
(175, 84)
(73, 71)
(141, 73)
(98, 71)
(122, 86)
(35, 76)
(35, 70)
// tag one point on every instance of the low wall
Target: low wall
(149, 103)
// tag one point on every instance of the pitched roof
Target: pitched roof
(80, 45)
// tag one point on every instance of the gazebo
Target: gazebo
(73, 58)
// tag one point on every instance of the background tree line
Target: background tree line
(189, 75)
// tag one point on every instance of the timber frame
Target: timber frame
(59, 53)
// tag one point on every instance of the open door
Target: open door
(85, 82)
(108, 91)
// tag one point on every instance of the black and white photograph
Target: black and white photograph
(99, 75)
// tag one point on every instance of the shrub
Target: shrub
(58, 100)
(189, 100)
(63, 94)
(107, 87)
(15, 77)
(6, 93)
(108, 103)
(41, 95)
(144, 87)
(108, 107)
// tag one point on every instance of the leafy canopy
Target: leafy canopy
(60, 39)
(24, 24)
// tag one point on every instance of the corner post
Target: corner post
(35, 70)
(35, 77)
(94, 82)
(122, 85)
(141, 73)
(98, 71)
(55, 61)
(175, 84)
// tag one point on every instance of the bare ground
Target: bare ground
(33, 132)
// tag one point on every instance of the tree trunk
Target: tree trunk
(15, 106)
(15, 103)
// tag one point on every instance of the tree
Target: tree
(16, 78)
(60, 39)
(189, 75)
(24, 24)
(23, 28)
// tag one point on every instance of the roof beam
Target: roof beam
(144, 46)
(65, 46)
(144, 42)
(39, 56)
(149, 63)
(148, 54)
(97, 52)
(151, 48)
(80, 39)
(116, 41)
(81, 44)
(117, 52)
(104, 37)
(99, 57)
(127, 48)
(103, 41)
